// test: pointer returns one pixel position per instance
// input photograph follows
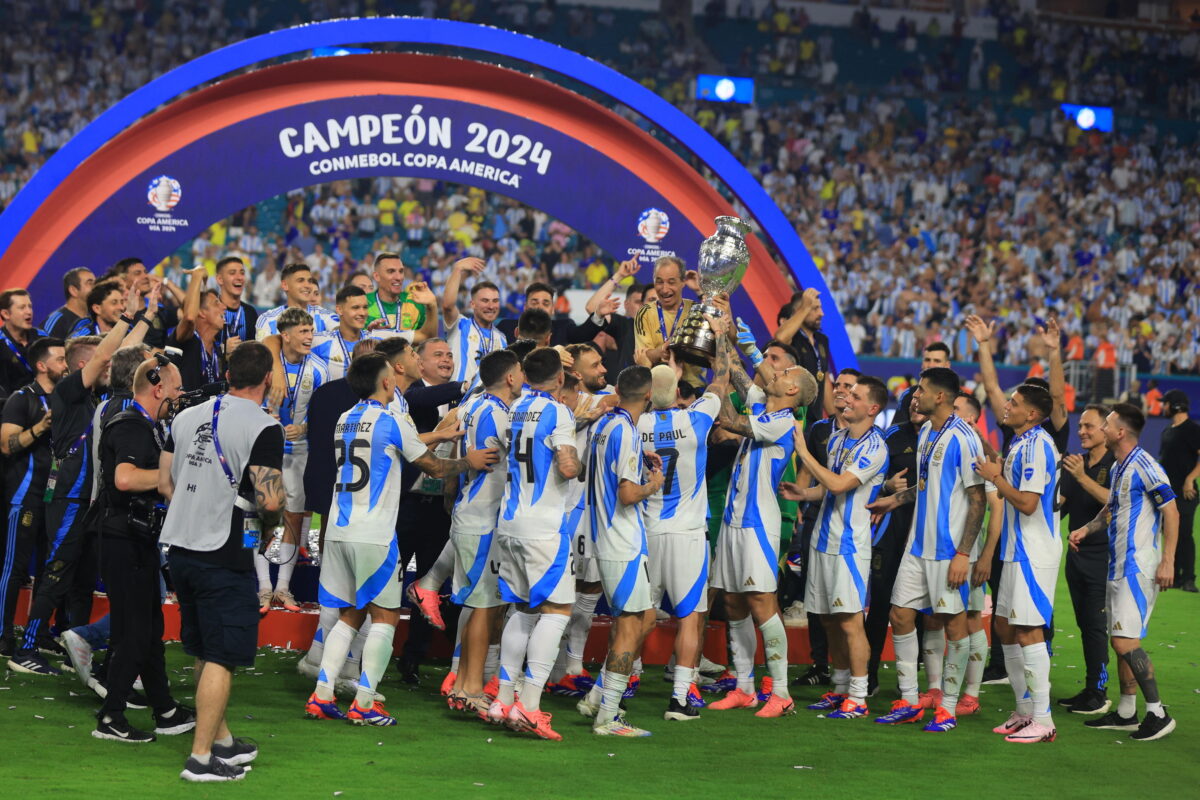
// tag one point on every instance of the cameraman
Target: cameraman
(128, 522)
(221, 470)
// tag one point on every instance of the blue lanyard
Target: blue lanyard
(662, 321)
(238, 322)
(15, 349)
(483, 351)
(345, 351)
(233, 482)
(294, 391)
(923, 471)
(620, 412)
(136, 406)
(497, 400)
(387, 318)
(210, 366)
(837, 459)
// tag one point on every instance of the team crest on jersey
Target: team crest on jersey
(306, 384)
(1102, 476)
(939, 453)
(633, 462)
(27, 519)
(1029, 473)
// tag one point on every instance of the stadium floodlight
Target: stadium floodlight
(724, 89)
(1089, 118)
(339, 51)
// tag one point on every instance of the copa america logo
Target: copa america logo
(653, 225)
(164, 193)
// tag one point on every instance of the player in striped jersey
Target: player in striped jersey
(299, 288)
(1031, 551)
(1140, 510)
(303, 373)
(473, 524)
(747, 556)
(933, 576)
(335, 345)
(676, 518)
(471, 338)
(360, 571)
(839, 557)
(535, 554)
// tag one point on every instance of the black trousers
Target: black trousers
(996, 656)
(818, 642)
(1185, 550)
(422, 530)
(130, 570)
(69, 573)
(25, 532)
(885, 563)
(1087, 580)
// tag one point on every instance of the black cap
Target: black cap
(1177, 399)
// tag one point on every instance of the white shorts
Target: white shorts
(574, 525)
(535, 571)
(1026, 594)
(1129, 603)
(837, 584)
(476, 582)
(921, 585)
(293, 481)
(977, 598)
(679, 571)
(354, 574)
(626, 584)
(747, 560)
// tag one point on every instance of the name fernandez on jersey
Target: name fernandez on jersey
(535, 496)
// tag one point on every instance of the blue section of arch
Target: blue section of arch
(414, 30)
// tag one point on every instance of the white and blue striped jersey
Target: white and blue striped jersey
(941, 507)
(470, 342)
(1032, 466)
(844, 523)
(323, 320)
(483, 417)
(751, 501)
(680, 437)
(535, 497)
(335, 351)
(303, 378)
(615, 455)
(371, 445)
(1140, 491)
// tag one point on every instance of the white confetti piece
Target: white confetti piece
(480, 784)
(38, 716)
(610, 755)
(69, 727)
(47, 698)
(801, 766)
(489, 741)
(337, 794)
(379, 744)
(10, 708)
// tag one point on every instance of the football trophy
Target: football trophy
(724, 257)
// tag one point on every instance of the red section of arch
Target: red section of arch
(240, 98)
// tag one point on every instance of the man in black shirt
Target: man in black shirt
(70, 566)
(241, 318)
(198, 334)
(151, 289)
(25, 440)
(800, 326)
(1083, 489)
(1180, 458)
(17, 332)
(128, 520)
(563, 330)
(72, 319)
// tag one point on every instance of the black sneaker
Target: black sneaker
(994, 675)
(31, 662)
(1153, 727)
(1091, 701)
(118, 730)
(215, 770)
(410, 673)
(1067, 702)
(182, 720)
(48, 647)
(816, 676)
(680, 712)
(136, 700)
(242, 751)
(1113, 721)
(1189, 586)
(7, 647)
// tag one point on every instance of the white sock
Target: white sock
(464, 617)
(1127, 706)
(1037, 677)
(841, 681)
(354, 657)
(775, 645)
(742, 642)
(492, 665)
(1155, 708)
(433, 580)
(289, 553)
(598, 687)
(975, 663)
(337, 644)
(956, 667)
(540, 655)
(513, 644)
(327, 618)
(907, 649)
(375, 657)
(858, 689)
(262, 569)
(610, 697)
(1014, 665)
(637, 667)
(684, 678)
(933, 653)
(578, 630)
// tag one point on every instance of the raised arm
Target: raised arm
(454, 283)
(810, 300)
(420, 293)
(113, 340)
(1052, 338)
(191, 305)
(600, 302)
(983, 333)
(278, 391)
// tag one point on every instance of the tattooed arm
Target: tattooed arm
(566, 460)
(733, 422)
(268, 494)
(976, 508)
(14, 439)
(478, 460)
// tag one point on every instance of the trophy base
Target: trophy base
(693, 354)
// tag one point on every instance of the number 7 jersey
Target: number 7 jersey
(371, 444)
(680, 437)
(535, 497)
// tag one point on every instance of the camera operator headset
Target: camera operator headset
(129, 518)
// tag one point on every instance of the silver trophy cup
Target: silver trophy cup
(724, 257)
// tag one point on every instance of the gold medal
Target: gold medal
(820, 376)
(921, 485)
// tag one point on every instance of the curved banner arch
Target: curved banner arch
(164, 179)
